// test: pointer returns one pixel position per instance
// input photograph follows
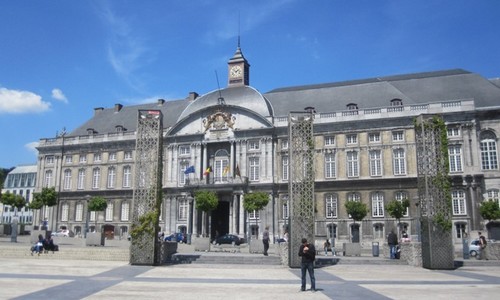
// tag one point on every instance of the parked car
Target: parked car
(229, 239)
(474, 247)
(63, 233)
(178, 236)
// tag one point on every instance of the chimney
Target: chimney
(192, 96)
(160, 102)
(118, 107)
(97, 110)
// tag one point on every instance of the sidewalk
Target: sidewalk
(78, 279)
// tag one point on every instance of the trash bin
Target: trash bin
(375, 249)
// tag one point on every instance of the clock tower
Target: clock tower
(238, 69)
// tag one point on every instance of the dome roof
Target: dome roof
(242, 96)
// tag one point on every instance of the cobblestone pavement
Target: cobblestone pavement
(78, 279)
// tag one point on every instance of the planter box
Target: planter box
(201, 244)
(351, 249)
(256, 246)
(95, 239)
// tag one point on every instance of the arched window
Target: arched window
(488, 148)
(396, 102)
(221, 163)
(65, 212)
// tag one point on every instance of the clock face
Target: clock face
(235, 71)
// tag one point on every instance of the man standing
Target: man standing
(482, 246)
(308, 254)
(265, 240)
(392, 240)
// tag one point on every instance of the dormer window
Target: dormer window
(91, 131)
(396, 102)
(120, 128)
(352, 106)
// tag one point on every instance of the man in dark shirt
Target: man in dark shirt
(308, 254)
(392, 240)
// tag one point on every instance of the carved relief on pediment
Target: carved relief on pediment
(219, 120)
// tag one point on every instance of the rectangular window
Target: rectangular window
(127, 175)
(400, 196)
(49, 159)
(352, 164)
(488, 150)
(127, 155)
(253, 215)
(184, 150)
(284, 144)
(125, 211)
(458, 202)
(183, 209)
(81, 179)
(79, 212)
(253, 145)
(398, 136)
(460, 229)
(48, 178)
(455, 157)
(182, 177)
(109, 212)
(330, 167)
(286, 210)
(92, 216)
(254, 168)
(374, 137)
(399, 161)
(378, 231)
(284, 168)
(453, 131)
(351, 139)
(96, 178)
(377, 204)
(65, 212)
(69, 159)
(97, 157)
(329, 140)
(111, 177)
(375, 163)
(67, 180)
(83, 158)
(331, 206)
(112, 156)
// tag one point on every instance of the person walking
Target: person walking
(392, 240)
(265, 240)
(482, 246)
(326, 246)
(308, 254)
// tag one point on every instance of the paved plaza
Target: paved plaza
(82, 279)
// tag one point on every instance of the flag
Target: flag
(189, 170)
(225, 171)
(237, 171)
(208, 171)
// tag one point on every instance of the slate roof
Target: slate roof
(416, 88)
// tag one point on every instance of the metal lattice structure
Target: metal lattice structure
(434, 201)
(144, 249)
(301, 182)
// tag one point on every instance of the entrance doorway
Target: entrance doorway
(220, 219)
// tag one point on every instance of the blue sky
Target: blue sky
(61, 59)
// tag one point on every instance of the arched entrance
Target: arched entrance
(109, 231)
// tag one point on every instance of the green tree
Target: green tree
(397, 209)
(489, 210)
(47, 197)
(357, 210)
(255, 201)
(206, 201)
(13, 200)
(97, 204)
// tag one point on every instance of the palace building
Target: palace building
(234, 141)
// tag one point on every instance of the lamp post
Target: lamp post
(87, 217)
(332, 238)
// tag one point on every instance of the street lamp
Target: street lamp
(87, 217)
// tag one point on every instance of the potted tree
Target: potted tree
(18, 202)
(397, 209)
(46, 198)
(206, 201)
(357, 211)
(96, 238)
(255, 202)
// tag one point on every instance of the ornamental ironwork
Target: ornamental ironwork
(301, 182)
(144, 248)
(434, 193)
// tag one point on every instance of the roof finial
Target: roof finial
(239, 25)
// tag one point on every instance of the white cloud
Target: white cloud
(59, 95)
(32, 147)
(21, 102)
